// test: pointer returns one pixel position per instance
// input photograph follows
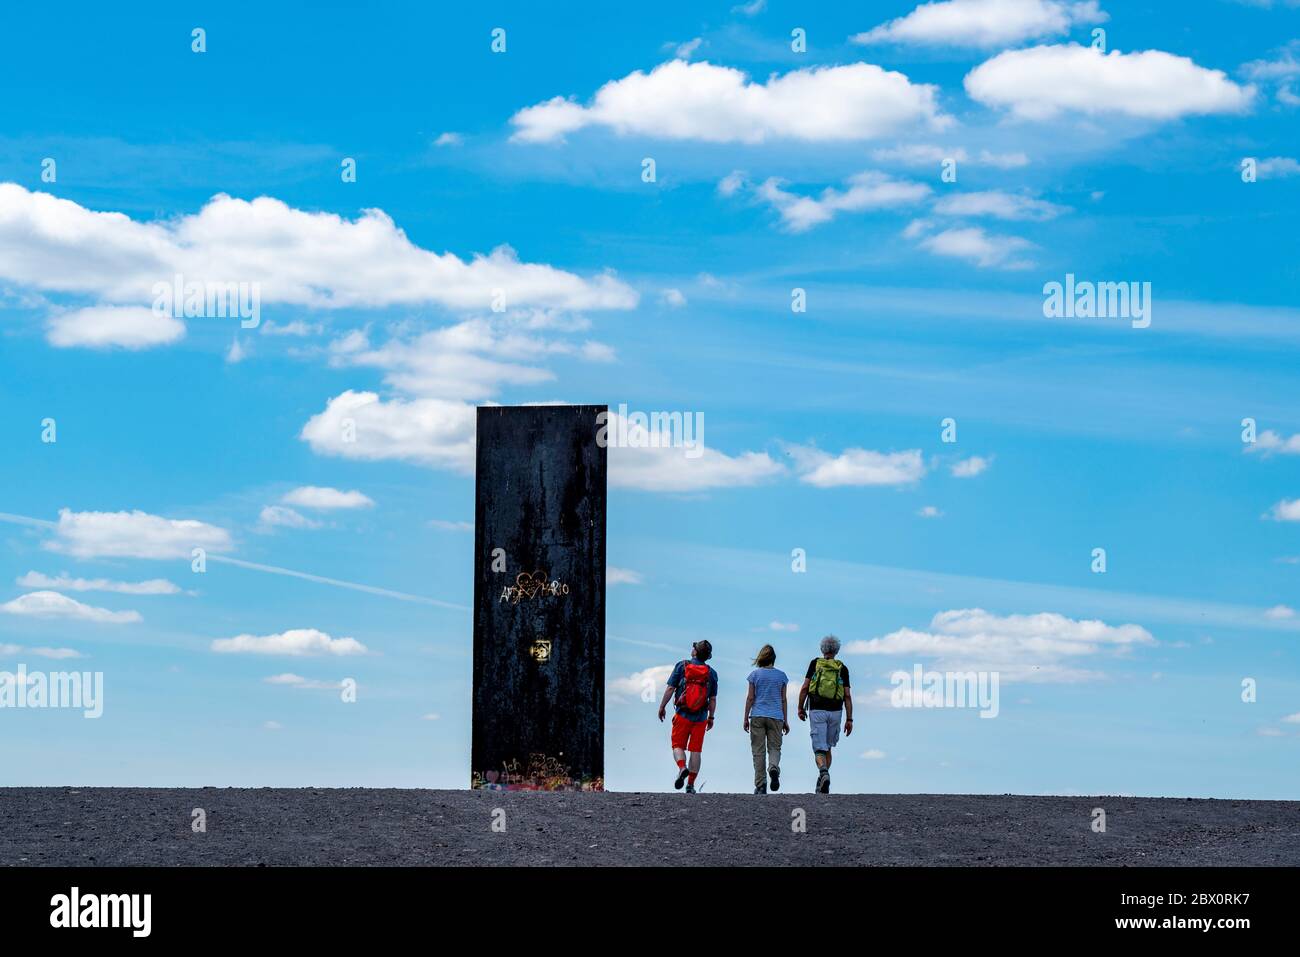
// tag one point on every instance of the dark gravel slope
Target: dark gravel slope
(143, 826)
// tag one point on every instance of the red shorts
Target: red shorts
(688, 735)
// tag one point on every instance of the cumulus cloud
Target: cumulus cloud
(279, 516)
(1041, 82)
(360, 425)
(653, 458)
(857, 467)
(971, 467)
(102, 327)
(929, 511)
(1280, 613)
(983, 23)
(621, 576)
(869, 190)
(1287, 510)
(701, 101)
(133, 534)
(1269, 443)
(782, 626)
(51, 604)
(1044, 647)
(636, 685)
(972, 244)
(295, 257)
(154, 586)
(999, 205)
(296, 642)
(323, 497)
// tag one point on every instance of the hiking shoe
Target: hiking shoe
(761, 789)
(690, 789)
(681, 778)
(775, 775)
(824, 783)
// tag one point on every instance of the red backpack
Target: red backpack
(694, 693)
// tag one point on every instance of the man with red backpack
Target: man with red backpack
(694, 687)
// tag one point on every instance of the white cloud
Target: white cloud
(359, 425)
(674, 298)
(1045, 647)
(1277, 167)
(1287, 510)
(782, 626)
(431, 716)
(296, 328)
(133, 534)
(451, 526)
(751, 9)
(154, 586)
(929, 511)
(295, 257)
(272, 726)
(236, 353)
(700, 101)
(1280, 613)
(323, 497)
(100, 327)
(971, 467)
(449, 139)
(916, 155)
(973, 244)
(869, 190)
(59, 654)
(290, 680)
(296, 642)
(1292, 718)
(683, 51)
(51, 604)
(648, 460)
(621, 576)
(635, 685)
(857, 467)
(1269, 443)
(999, 205)
(983, 23)
(873, 754)
(732, 183)
(278, 516)
(1041, 82)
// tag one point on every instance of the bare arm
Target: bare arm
(848, 710)
(663, 704)
(803, 699)
(749, 705)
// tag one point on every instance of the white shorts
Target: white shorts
(825, 727)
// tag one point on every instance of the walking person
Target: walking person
(824, 696)
(765, 718)
(694, 687)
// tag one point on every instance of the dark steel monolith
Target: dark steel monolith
(539, 599)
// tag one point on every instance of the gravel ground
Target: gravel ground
(273, 826)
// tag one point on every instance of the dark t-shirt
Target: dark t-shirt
(826, 704)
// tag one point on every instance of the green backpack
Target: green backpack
(827, 681)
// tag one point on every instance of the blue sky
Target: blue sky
(775, 170)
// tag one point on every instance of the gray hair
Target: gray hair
(830, 646)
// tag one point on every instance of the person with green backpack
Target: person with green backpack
(823, 698)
